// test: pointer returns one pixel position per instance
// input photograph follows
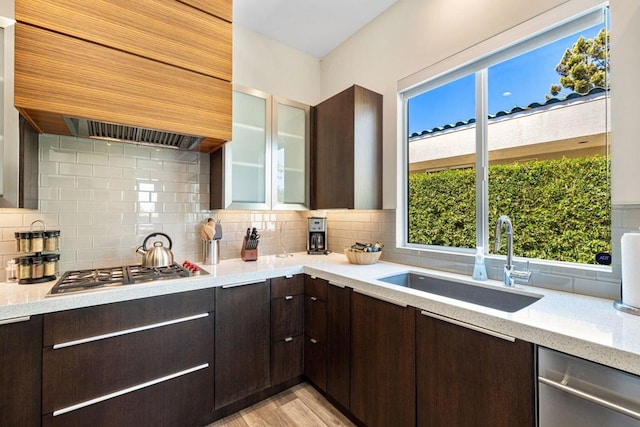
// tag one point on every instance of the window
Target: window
(522, 132)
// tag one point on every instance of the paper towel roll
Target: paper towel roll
(630, 253)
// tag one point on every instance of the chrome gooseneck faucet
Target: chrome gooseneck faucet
(510, 275)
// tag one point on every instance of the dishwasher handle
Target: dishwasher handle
(591, 398)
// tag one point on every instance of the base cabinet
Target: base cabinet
(125, 364)
(468, 378)
(383, 362)
(242, 341)
(20, 372)
(287, 328)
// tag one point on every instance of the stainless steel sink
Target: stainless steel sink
(504, 300)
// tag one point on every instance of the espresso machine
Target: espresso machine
(317, 236)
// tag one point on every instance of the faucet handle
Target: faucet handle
(520, 276)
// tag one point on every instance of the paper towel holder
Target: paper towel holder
(626, 308)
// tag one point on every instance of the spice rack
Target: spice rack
(42, 265)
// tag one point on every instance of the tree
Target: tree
(585, 66)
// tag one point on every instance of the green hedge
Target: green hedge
(560, 209)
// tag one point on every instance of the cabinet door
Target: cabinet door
(290, 143)
(339, 343)
(287, 359)
(249, 173)
(20, 372)
(383, 362)
(242, 342)
(466, 377)
(287, 315)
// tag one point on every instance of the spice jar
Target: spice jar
(52, 240)
(37, 268)
(24, 242)
(37, 241)
(11, 271)
(51, 264)
(24, 272)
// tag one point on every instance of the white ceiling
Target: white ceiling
(312, 26)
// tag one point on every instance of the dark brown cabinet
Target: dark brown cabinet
(287, 328)
(20, 372)
(383, 362)
(242, 337)
(126, 364)
(315, 331)
(466, 377)
(347, 151)
(338, 346)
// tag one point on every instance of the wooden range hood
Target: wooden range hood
(146, 71)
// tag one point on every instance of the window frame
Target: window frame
(457, 66)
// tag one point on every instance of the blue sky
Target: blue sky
(516, 82)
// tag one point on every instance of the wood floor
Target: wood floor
(299, 406)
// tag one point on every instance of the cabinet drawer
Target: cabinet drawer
(183, 401)
(287, 317)
(315, 320)
(103, 319)
(85, 371)
(282, 286)
(315, 287)
(165, 31)
(287, 359)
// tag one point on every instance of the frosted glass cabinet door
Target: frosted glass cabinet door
(290, 182)
(250, 162)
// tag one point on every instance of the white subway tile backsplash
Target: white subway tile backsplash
(151, 164)
(107, 172)
(132, 150)
(76, 169)
(98, 159)
(76, 194)
(77, 145)
(56, 155)
(107, 147)
(93, 183)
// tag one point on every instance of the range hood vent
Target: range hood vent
(114, 132)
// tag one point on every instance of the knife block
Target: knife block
(248, 254)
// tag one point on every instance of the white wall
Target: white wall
(264, 64)
(415, 34)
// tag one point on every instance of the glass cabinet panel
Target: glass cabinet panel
(290, 148)
(250, 164)
(267, 161)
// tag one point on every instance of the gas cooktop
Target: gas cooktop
(100, 278)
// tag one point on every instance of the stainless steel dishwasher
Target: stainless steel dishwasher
(576, 392)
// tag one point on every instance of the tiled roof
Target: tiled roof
(514, 110)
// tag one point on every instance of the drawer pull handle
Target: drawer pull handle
(469, 326)
(288, 339)
(15, 320)
(339, 285)
(378, 297)
(237, 285)
(288, 276)
(591, 398)
(288, 297)
(128, 331)
(313, 341)
(314, 299)
(128, 390)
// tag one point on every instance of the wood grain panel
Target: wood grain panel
(287, 359)
(20, 373)
(82, 372)
(315, 287)
(287, 317)
(70, 325)
(339, 344)
(282, 286)
(466, 377)
(183, 401)
(113, 86)
(220, 8)
(383, 363)
(166, 31)
(242, 358)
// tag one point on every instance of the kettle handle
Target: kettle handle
(144, 244)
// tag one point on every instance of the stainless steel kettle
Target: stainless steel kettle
(158, 255)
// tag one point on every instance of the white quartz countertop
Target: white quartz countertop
(584, 326)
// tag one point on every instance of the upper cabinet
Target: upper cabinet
(149, 64)
(347, 151)
(266, 165)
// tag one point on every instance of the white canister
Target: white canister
(210, 252)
